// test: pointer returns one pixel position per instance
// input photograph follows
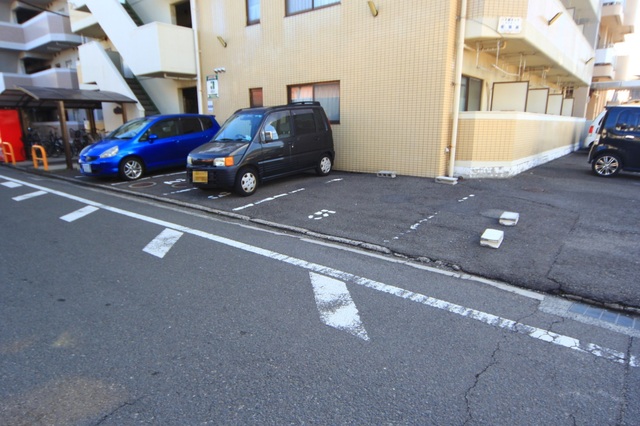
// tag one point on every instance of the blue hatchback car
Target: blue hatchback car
(147, 143)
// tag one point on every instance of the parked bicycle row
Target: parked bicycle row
(53, 143)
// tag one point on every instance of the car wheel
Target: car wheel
(246, 182)
(606, 165)
(131, 168)
(324, 165)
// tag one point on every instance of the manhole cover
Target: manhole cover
(139, 185)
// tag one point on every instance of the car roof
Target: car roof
(292, 105)
(160, 116)
(629, 105)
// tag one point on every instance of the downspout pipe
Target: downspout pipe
(458, 83)
(196, 35)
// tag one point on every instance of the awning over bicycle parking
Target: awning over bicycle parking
(61, 98)
(34, 97)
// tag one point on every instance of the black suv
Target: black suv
(617, 147)
(259, 144)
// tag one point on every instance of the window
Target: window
(304, 122)
(470, 94)
(191, 125)
(278, 125)
(164, 129)
(628, 121)
(255, 97)
(328, 94)
(253, 12)
(298, 6)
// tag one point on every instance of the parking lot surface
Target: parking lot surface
(576, 235)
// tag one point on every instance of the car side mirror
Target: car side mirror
(268, 136)
(152, 137)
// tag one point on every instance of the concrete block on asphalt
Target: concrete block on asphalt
(509, 218)
(492, 238)
(386, 173)
(446, 179)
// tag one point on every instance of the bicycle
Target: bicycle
(32, 138)
(55, 145)
(79, 140)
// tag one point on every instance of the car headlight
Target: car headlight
(223, 162)
(110, 152)
(189, 160)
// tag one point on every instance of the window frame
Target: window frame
(311, 9)
(252, 98)
(465, 84)
(253, 21)
(313, 88)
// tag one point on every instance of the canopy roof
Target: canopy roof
(34, 97)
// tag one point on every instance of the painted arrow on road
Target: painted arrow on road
(335, 305)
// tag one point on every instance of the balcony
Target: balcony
(542, 34)
(617, 19)
(153, 50)
(45, 33)
(612, 13)
(54, 77)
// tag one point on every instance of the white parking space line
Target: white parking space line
(161, 244)
(335, 305)
(79, 213)
(264, 200)
(468, 313)
(29, 195)
(11, 184)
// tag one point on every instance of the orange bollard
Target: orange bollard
(7, 151)
(42, 157)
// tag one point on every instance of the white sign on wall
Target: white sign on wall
(212, 86)
(509, 25)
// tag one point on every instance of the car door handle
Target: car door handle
(629, 137)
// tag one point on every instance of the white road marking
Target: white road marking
(468, 313)
(161, 244)
(11, 184)
(79, 213)
(30, 195)
(264, 200)
(180, 191)
(321, 214)
(335, 305)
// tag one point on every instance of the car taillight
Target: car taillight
(590, 129)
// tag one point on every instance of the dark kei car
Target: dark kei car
(617, 146)
(147, 143)
(259, 144)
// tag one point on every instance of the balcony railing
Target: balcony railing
(541, 33)
(46, 33)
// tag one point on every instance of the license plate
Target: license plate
(86, 168)
(200, 176)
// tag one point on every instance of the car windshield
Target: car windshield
(240, 127)
(129, 129)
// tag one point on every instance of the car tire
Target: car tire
(246, 182)
(131, 168)
(606, 165)
(325, 164)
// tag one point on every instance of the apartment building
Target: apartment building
(472, 88)
(615, 75)
(37, 48)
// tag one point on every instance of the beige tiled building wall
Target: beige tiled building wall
(396, 72)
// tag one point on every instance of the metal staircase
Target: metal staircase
(143, 97)
(132, 13)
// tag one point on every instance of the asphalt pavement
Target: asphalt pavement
(576, 236)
